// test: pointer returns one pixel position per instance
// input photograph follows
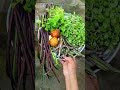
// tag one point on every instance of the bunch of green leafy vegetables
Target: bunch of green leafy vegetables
(71, 26)
(28, 5)
(103, 31)
(55, 19)
(73, 29)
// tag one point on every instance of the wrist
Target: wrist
(67, 77)
(73, 76)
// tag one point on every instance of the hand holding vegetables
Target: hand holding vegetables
(69, 67)
(63, 31)
(69, 71)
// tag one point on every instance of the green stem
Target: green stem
(43, 72)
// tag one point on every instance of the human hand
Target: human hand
(69, 67)
(69, 71)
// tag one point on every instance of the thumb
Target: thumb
(62, 62)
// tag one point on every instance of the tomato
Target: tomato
(55, 33)
(54, 41)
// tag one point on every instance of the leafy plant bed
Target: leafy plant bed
(103, 34)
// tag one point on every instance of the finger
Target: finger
(68, 58)
(62, 62)
(75, 61)
(65, 65)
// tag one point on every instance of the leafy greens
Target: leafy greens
(71, 26)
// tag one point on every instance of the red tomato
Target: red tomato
(55, 33)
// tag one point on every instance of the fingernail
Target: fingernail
(62, 60)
